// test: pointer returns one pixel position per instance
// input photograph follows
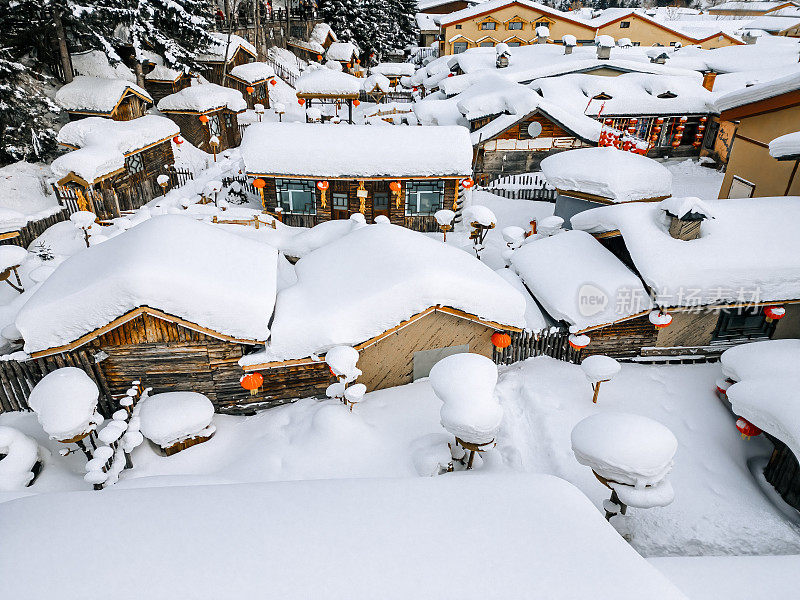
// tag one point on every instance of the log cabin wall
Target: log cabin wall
(783, 472)
(622, 340)
(214, 71)
(260, 93)
(131, 107)
(198, 134)
(162, 89)
(136, 189)
(691, 328)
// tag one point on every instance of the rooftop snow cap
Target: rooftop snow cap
(608, 173)
(685, 215)
(203, 97)
(97, 94)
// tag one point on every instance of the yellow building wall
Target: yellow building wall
(719, 41)
(750, 160)
(644, 32)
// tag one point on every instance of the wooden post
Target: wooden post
(350, 111)
(63, 51)
(596, 388)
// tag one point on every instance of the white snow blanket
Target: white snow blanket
(64, 402)
(25, 194)
(340, 298)
(161, 73)
(341, 51)
(90, 164)
(327, 82)
(785, 146)
(625, 448)
(761, 359)
(173, 263)
(253, 72)
(204, 97)
(171, 417)
(545, 528)
(217, 51)
(125, 136)
(94, 63)
(614, 174)
(96, 94)
(577, 280)
(760, 91)
(309, 150)
(21, 453)
(749, 252)
(394, 69)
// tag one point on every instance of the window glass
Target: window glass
(542, 24)
(295, 196)
(488, 25)
(515, 25)
(459, 47)
(423, 197)
(213, 125)
(134, 163)
(380, 201)
(458, 26)
(624, 24)
(339, 201)
(486, 44)
(513, 44)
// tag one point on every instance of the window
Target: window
(134, 163)
(624, 24)
(339, 201)
(297, 32)
(741, 188)
(637, 43)
(380, 201)
(213, 125)
(738, 323)
(295, 196)
(486, 44)
(672, 43)
(515, 25)
(542, 24)
(711, 135)
(486, 25)
(424, 197)
(228, 120)
(513, 44)
(459, 47)
(458, 26)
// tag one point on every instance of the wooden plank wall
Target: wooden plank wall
(131, 107)
(527, 344)
(783, 472)
(622, 340)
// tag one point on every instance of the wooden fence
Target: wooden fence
(34, 229)
(553, 342)
(178, 177)
(528, 186)
(281, 71)
(543, 194)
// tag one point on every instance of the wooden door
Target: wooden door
(339, 205)
(380, 204)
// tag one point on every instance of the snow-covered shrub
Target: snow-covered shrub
(465, 384)
(65, 403)
(598, 369)
(481, 219)
(173, 417)
(19, 455)
(342, 362)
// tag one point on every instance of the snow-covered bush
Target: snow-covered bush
(83, 220)
(65, 403)
(342, 361)
(445, 218)
(173, 417)
(19, 455)
(465, 384)
(598, 369)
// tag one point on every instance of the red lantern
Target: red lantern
(251, 382)
(301, 101)
(356, 102)
(395, 187)
(358, 61)
(322, 185)
(660, 319)
(319, 56)
(203, 119)
(451, 75)
(250, 89)
(467, 183)
(746, 428)
(774, 313)
(626, 145)
(722, 388)
(259, 183)
(178, 140)
(501, 340)
(273, 82)
(415, 89)
(579, 341)
(348, 65)
(609, 122)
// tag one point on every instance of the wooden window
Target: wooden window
(542, 24)
(459, 47)
(380, 201)
(134, 163)
(743, 323)
(486, 44)
(424, 197)
(228, 120)
(488, 25)
(213, 126)
(339, 201)
(514, 25)
(514, 44)
(741, 188)
(458, 26)
(624, 24)
(296, 196)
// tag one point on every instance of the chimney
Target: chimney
(568, 49)
(542, 34)
(502, 55)
(708, 80)
(570, 41)
(692, 213)
(604, 45)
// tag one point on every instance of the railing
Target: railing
(178, 177)
(527, 186)
(282, 72)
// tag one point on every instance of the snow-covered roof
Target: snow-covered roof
(774, 24)
(102, 144)
(427, 21)
(253, 72)
(786, 146)
(161, 73)
(408, 272)
(174, 264)
(769, 358)
(394, 69)
(316, 150)
(758, 92)
(381, 82)
(607, 172)
(749, 251)
(493, 5)
(96, 94)
(410, 526)
(95, 63)
(25, 194)
(341, 51)
(750, 5)
(203, 97)
(327, 82)
(217, 51)
(321, 32)
(578, 281)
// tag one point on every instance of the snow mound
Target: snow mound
(174, 416)
(253, 72)
(785, 146)
(599, 368)
(19, 454)
(327, 82)
(64, 402)
(761, 359)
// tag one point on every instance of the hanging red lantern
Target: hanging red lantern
(178, 140)
(609, 122)
(251, 382)
(660, 320)
(356, 102)
(501, 340)
(703, 119)
(746, 428)
(467, 183)
(626, 145)
(774, 313)
(319, 57)
(301, 101)
(579, 341)
(322, 185)
(632, 126)
(273, 82)
(395, 186)
(203, 119)
(259, 183)
(348, 65)
(250, 89)
(358, 61)
(722, 388)
(415, 89)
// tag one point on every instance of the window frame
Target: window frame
(485, 25)
(624, 24)
(289, 186)
(727, 329)
(134, 163)
(412, 192)
(458, 43)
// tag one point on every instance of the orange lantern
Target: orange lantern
(301, 101)
(203, 119)
(395, 186)
(348, 65)
(322, 185)
(660, 320)
(178, 140)
(356, 102)
(467, 183)
(501, 340)
(251, 382)
(358, 61)
(319, 56)
(774, 313)
(259, 183)
(746, 428)
(578, 342)
(273, 82)
(250, 89)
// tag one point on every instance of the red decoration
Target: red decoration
(356, 102)
(746, 428)
(395, 186)
(301, 101)
(251, 382)
(203, 119)
(250, 89)
(348, 65)
(626, 145)
(579, 341)
(501, 340)
(467, 183)
(319, 56)
(178, 140)
(259, 183)
(415, 89)
(322, 185)
(774, 313)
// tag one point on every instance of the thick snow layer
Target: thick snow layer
(125, 137)
(749, 252)
(217, 51)
(761, 359)
(407, 273)
(64, 402)
(680, 207)
(172, 263)
(253, 72)
(96, 94)
(174, 416)
(19, 454)
(760, 91)
(600, 368)
(393, 69)
(90, 164)
(413, 527)
(579, 281)
(534, 319)
(161, 73)
(308, 240)
(660, 494)
(327, 82)
(785, 146)
(342, 361)
(341, 51)
(624, 447)
(306, 150)
(94, 63)
(25, 194)
(203, 97)
(377, 81)
(614, 174)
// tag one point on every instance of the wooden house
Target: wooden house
(115, 164)
(332, 91)
(406, 174)
(253, 80)
(345, 53)
(222, 57)
(313, 49)
(760, 114)
(117, 99)
(206, 113)
(163, 81)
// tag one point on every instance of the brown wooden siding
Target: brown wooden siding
(197, 134)
(162, 89)
(622, 340)
(131, 107)
(260, 93)
(213, 71)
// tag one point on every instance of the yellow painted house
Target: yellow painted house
(514, 22)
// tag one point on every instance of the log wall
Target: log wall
(783, 472)
(197, 133)
(162, 89)
(622, 340)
